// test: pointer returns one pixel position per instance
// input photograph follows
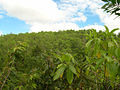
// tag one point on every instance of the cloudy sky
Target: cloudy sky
(20, 16)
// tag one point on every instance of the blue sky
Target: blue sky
(13, 25)
(20, 16)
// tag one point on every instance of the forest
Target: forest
(63, 60)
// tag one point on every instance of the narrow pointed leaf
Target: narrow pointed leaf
(107, 30)
(114, 30)
(89, 43)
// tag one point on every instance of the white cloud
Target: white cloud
(46, 15)
(1, 16)
(53, 27)
(1, 33)
(109, 20)
(43, 12)
(94, 26)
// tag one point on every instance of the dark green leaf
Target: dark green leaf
(114, 30)
(59, 72)
(117, 52)
(69, 76)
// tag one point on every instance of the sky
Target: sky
(21, 16)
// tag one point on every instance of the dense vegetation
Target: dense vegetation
(64, 60)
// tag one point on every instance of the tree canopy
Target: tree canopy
(64, 60)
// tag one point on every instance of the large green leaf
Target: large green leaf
(117, 52)
(72, 68)
(59, 72)
(69, 76)
(66, 58)
(70, 57)
(112, 69)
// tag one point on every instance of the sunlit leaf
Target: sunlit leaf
(59, 65)
(89, 43)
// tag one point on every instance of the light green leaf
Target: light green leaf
(67, 58)
(59, 65)
(110, 44)
(59, 72)
(69, 76)
(20, 88)
(72, 68)
(31, 77)
(112, 68)
(87, 70)
(34, 85)
(87, 58)
(89, 43)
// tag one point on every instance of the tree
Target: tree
(112, 6)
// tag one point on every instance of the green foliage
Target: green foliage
(67, 63)
(103, 58)
(64, 60)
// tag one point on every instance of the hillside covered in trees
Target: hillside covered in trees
(64, 60)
